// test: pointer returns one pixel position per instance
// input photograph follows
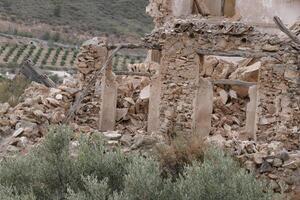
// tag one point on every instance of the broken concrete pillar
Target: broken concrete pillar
(251, 113)
(155, 91)
(229, 8)
(203, 106)
(215, 7)
(182, 7)
(108, 109)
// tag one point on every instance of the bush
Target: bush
(10, 52)
(94, 172)
(29, 54)
(44, 61)
(37, 55)
(181, 151)
(10, 91)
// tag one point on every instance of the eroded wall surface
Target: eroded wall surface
(263, 11)
(279, 109)
(181, 39)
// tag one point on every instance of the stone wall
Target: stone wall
(279, 104)
(180, 39)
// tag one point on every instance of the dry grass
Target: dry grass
(10, 91)
(182, 151)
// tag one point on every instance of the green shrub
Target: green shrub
(57, 52)
(44, 61)
(10, 52)
(64, 58)
(19, 53)
(30, 52)
(93, 172)
(9, 194)
(93, 190)
(75, 53)
(37, 56)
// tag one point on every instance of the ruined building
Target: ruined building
(226, 69)
(220, 69)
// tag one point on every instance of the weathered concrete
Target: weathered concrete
(109, 102)
(182, 7)
(109, 97)
(155, 92)
(203, 107)
(265, 10)
(251, 113)
(215, 7)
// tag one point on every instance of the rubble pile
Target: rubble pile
(268, 161)
(24, 125)
(27, 122)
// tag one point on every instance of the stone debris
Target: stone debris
(41, 106)
(268, 161)
(112, 135)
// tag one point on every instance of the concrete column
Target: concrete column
(182, 7)
(229, 8)
(215, 7)
(109, 101)
(251, 113)
(203, 108)
(155, 92)
(203, 104)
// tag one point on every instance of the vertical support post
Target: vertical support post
(182, 7)
(203, 105)
(109, 100)
(229, 8)
(155, 91)
(251, 113)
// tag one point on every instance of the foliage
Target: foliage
(91, 172)
(10, 52)
(30, 52)
(181, 151)
(19, 53)
(7, 193)
(10, 91)
(37, 56)
(57, 52)
(44, 61)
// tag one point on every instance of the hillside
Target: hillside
(122, 17)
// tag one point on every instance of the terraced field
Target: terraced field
(53, 58)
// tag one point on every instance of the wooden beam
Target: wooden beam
(284, 29)
(125, 73)
(32, 74)
(233, 82)
(236, 53)
(126, 46)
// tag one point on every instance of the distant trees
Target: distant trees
(57, 7)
